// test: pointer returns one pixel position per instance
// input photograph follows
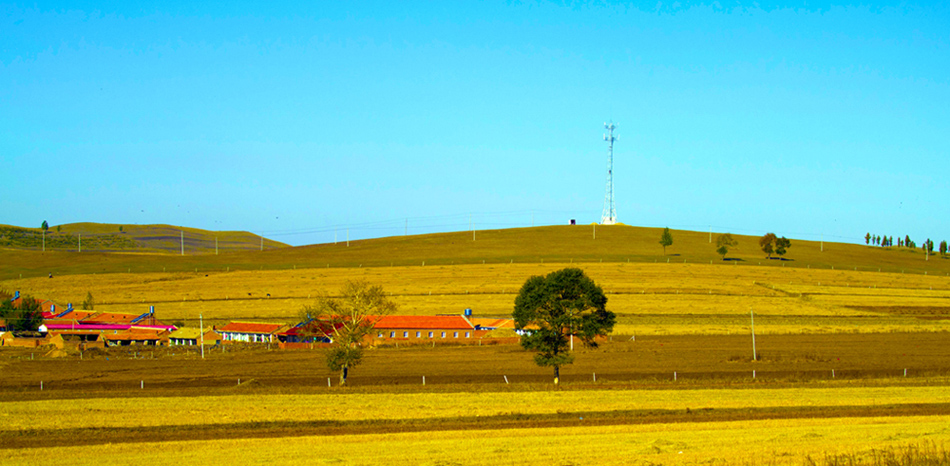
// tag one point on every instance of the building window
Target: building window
(443, 334)
(379, 335)
(430, 334)
(392, 334)
(405, 334)
(466, 334)
(418, 334)
(455, 334)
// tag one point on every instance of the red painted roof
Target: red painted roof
(423, 322)
(250, 327)
(109, 318)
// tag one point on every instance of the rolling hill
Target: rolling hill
(550, 244)
(102, 237)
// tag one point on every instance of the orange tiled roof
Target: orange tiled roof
(78, 315)
(493, 323)
(109, 318)
(134, 335)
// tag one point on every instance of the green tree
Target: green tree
(943, 248)
(723, 243)
(666, 239)
(867, 239)
(767, 243)
(45, 226)
(89, 303)
(781, 246)
(553, 309)
(25, 316)
(346, 322)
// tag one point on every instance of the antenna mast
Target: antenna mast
(610, 213)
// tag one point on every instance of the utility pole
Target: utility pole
(262, 241)
(347, 237)
(216, 245)
(752, 319)
(201, 333)
(710, 234)
(182, 242)
(80, 242)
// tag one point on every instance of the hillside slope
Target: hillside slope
(551, 244)
(102, 237)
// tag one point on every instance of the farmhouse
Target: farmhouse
(137, 336)
(252, 332)
(425, 327)
(189, 336)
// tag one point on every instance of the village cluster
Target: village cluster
(96, 329)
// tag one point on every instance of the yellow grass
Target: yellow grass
(719, 443)
(650, 298)
(161, 411)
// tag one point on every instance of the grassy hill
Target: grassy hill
(551, 244)
(102, 237)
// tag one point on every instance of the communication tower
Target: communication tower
(610, 212)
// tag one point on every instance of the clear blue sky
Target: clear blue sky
(804, 119)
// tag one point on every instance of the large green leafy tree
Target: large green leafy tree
(25, 316)
(666, 239)
(781, 246)
(554, 308)
(770, 243)
(346, 321)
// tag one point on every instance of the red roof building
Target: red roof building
(137, 336)
(251, 332)
(424, 327)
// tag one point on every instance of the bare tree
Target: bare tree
(346, 322)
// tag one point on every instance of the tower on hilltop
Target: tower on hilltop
(610, 212)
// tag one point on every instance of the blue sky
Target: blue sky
(302, 122)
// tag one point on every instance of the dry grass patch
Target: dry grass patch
(777, 442)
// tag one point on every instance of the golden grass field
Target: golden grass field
(781, 442)
(235, 409)
(650, 299)
(866, 312)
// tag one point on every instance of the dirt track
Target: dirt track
(649, 361)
